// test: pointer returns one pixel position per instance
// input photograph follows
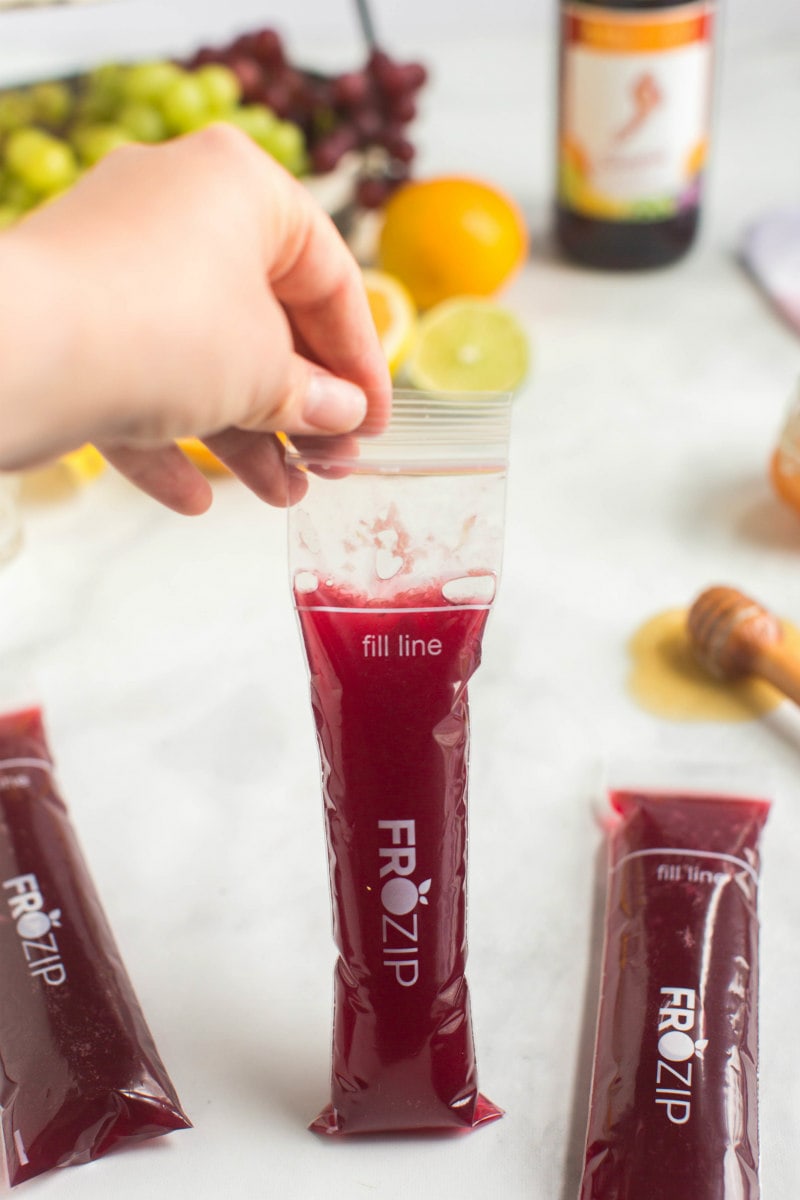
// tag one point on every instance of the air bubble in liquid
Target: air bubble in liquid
(470, 589)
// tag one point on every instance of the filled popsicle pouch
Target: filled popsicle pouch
(395, 557)
(674, 1095)
(79, 1072)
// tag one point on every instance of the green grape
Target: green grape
(19, 196)
(102, 91)
(142, 121)
(256, 120)
(149, 81)
(42, 162)
(184, 106)
(52, 103)
(93, 106)
(9, 214)
(94, 142)
(16, 109)
(54, 170)
(287, 144)
(221, 87)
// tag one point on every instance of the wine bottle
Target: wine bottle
(634, 111)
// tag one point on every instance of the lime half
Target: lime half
(468, 345)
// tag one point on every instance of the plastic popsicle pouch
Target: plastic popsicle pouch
(395, 557)
(674, 1094)
(79, 1071)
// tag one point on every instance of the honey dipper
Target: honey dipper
(733, 636)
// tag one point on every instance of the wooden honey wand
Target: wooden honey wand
(733, 636)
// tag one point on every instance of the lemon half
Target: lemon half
(85, 463)
(394, 314)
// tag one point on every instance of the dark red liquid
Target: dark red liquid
(625, 245)
(80, 1072)
(674, 1097)
(389, 692)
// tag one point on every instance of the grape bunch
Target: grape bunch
(51, 132)
(368, 109)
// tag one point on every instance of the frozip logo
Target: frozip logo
(400, 897)
(35, 929)
(676, 1049)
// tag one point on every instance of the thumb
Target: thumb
(313, 401)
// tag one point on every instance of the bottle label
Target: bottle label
(635, 108)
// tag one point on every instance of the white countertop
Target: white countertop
(165, 653)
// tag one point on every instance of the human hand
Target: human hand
(204, 294)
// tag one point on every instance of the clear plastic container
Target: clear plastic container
(395, 555)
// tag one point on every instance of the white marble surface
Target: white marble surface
(166, 656)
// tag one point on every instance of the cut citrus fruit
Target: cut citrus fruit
(394, 314)
(468, 345)
(86, 462)
(451, 236)
(198, 453)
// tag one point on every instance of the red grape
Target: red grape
(242, 45)
(402, 108)
(396, 143)
(368, 124)
(377, 62)
(277, 96)
(390, 76)
(267, 47)
(249, 74)
(294, 80)
(351, 89)
(365, 107)
(417, 75)
(328, 152)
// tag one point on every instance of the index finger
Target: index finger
(317, 280)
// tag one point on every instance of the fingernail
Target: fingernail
(333, 404)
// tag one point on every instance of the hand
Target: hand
(202, 293)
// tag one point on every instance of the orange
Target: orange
(784, 473)
(451, 236)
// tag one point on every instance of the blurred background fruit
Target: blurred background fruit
(53, 130)
(451, 236)
(468, 345)
(429, 241)
(85, 463)
(202, 457)
(394, 314)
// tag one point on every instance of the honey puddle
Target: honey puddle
(666, 680)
